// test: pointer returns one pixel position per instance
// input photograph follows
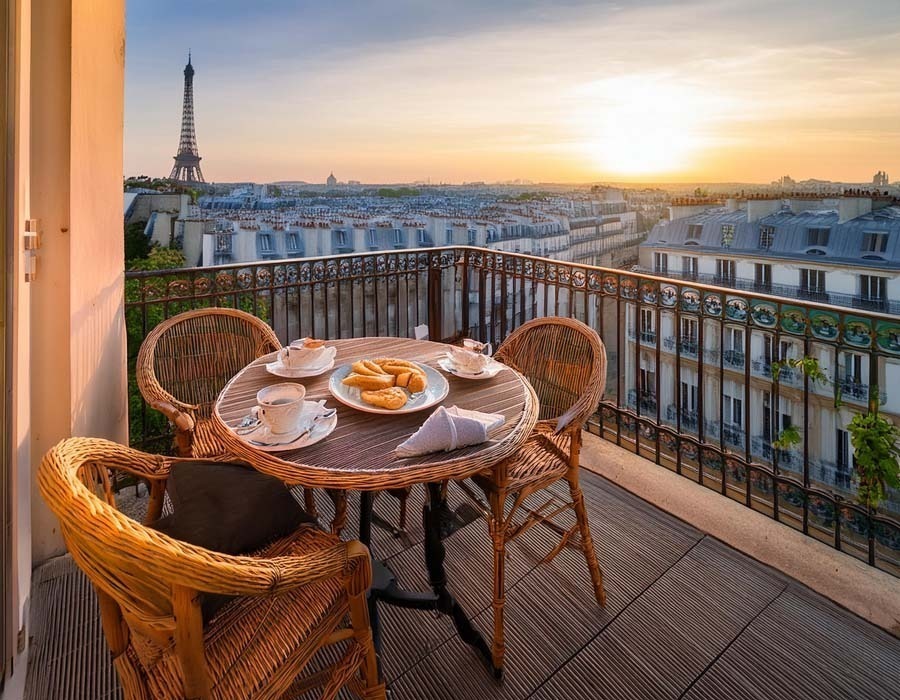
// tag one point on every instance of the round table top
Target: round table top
(359, 454)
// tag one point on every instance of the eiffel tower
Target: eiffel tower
(187, 162)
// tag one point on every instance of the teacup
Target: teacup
(468, 360)
(475, 346)
(280, 406)
(299, 354)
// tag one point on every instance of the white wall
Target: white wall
(77, 363)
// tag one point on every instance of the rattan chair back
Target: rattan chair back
(190, 357)
(564, 360)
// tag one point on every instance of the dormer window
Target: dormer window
(661, 263)
(766, 237)
(874, 242)
(727, 235)
(817, 237)
(694, 233)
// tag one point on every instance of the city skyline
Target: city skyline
(552, 92)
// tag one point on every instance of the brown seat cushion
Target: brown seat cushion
(229, 508)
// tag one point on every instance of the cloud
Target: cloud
(397, 90)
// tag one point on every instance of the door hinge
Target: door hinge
(32, 238)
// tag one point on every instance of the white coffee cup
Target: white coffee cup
(468, 360)
(280, 406)
(298, 356)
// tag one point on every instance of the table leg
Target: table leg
(385, 588)
(366, 503)
(435, 553)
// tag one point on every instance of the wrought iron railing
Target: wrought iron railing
(473, 292)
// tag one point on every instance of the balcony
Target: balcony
(762, 367)
(687, 345)
(646, 401)
(853, 301)
(733, 359)
(646, 337)
(655, 562)
(857, 392)
(680, 602)
(687, 616)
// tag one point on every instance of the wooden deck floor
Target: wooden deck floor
(686, 617)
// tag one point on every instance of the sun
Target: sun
(637, 126)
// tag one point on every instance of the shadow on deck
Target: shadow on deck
(686, 617)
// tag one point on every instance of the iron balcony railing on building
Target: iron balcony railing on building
(786, 375)
(854, 301)
(856, 391)
(647, 400)
(645, 336)
(687, 345)
(474, 292)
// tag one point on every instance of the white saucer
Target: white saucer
(491, 369)
(293, 440)
(279, 370)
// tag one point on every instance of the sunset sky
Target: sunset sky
(565, 91)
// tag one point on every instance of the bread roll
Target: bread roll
(369, 382)
(391, 398)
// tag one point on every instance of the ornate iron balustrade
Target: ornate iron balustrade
(484, 294)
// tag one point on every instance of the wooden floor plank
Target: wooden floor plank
(667, 636)
(803, 646)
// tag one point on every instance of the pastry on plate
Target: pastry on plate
(391, 398)
(369, 382)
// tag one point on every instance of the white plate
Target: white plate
(434, 393)
(279, 370)
(491, 369)
(320, 430)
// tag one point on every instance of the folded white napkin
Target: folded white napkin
(450, 428)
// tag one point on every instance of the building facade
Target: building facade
(840, 252)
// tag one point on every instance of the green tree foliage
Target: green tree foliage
(143, 421)
(397, 192)
(876, 466)
(137, 245)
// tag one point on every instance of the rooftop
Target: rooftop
(845, 243)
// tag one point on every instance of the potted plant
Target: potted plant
(876, 454)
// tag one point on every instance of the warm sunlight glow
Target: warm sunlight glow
(641, 126)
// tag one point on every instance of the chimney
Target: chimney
(758, 208)
(731, 205)
(852, 207)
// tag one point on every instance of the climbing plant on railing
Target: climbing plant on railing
(789, 437)
(875, 450)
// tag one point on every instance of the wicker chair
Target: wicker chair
(565, 361)
(184, 363)
(297, 596)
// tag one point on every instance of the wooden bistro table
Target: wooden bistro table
(359, 456)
